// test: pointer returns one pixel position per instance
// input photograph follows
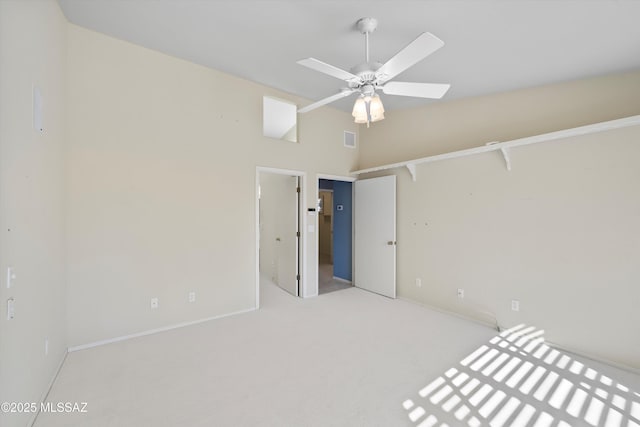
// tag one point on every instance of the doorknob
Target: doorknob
(391, 243)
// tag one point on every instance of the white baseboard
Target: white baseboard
(155, 331)
(340, 279)
(594, 358)
(48, 389)
(500, 328)
(493, 326)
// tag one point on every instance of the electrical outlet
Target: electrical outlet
(154, 302)
(192, 296)
(460, 293)
(515, 305)
(418, 282)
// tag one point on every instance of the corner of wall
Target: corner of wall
(32, 201)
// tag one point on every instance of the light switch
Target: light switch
(11, 311)
(11, 275)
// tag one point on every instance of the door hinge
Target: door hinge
(297, 277)
(297, 234)
(297, 189)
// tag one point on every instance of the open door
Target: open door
(279, 207)
(375, 235)
(287, 241)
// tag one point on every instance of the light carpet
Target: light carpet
(348, 358)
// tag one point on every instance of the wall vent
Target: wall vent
(349, 139)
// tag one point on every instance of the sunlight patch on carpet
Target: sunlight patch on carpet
(518, 380)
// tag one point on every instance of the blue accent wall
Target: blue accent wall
(325, 184)
(342, 222)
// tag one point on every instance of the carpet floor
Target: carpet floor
(348, 358)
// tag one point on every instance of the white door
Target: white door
(279, 214)
(287, 262)
(375, 235)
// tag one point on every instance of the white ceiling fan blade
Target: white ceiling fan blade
(326, 101)
(418, 90)
(424, 45)
(325, 68)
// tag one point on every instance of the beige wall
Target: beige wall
(448, 126)
(161, 171)
(32, 198)
(559, 232)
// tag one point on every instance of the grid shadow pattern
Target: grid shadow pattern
(518, 380)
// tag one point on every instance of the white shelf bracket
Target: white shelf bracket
(412, 170)
(507, 159)
(505, 154)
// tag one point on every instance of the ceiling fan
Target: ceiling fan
(370, 76)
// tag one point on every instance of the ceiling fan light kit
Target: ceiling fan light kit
(359, 112)
(368, 77)
(368, 109)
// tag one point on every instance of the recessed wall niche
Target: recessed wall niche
(279, 119)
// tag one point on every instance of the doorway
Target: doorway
(335, 235)
(278, 225)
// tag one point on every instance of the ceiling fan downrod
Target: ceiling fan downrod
(366, 26)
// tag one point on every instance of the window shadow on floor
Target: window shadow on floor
(518, 380)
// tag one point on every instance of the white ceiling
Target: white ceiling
(490, 45)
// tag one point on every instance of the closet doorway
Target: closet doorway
(278, 225)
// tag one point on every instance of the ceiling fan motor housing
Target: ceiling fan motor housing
(366, 71)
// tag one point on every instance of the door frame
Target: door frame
(302, 222)
(317, 238)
